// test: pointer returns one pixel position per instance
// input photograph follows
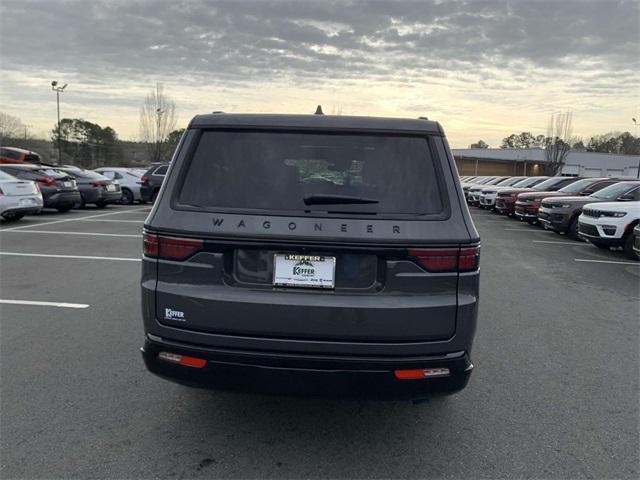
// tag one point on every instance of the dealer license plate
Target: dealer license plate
(27, 201)
(111, 187)
(292, 270)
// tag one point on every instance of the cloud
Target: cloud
(496, 48)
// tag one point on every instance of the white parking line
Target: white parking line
(45, 304)
(520, 230)
(81, 257)
(637, 264)
(75, 219)
(95, 234)
(111, 220)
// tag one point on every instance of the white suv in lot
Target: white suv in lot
(610, 224)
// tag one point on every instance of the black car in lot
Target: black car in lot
(561, 214)
(314, 255)
(151, 181)
(94, 188)
(59, 189)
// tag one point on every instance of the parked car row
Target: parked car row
(603, 211)
(30, 187)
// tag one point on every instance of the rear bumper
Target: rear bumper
(20, 210)
(62, 199)
(307, 374)
(111, 197)
(98, 195)
(146, 192)
(16, 204)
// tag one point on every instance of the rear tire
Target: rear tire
(127, 197)
(627, 247)
(154, 196)
(64, 209)
(101, 204)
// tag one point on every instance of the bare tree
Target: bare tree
(10, 127)
(157, 121)
(558, 142)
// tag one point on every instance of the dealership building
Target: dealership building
(530, 161)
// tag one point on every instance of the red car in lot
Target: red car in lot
(506, 199)
(528, 203)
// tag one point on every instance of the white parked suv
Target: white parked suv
(488, 194)
(610, 224)
(129, 180)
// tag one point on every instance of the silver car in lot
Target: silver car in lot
(128, 179)
(18, 197)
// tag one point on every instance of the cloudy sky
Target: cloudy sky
(484, 69)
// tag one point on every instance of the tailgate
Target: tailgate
(376, 294)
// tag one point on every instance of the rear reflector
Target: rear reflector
(418, 373)
(170, 248)
(182, 359)
(447, 259)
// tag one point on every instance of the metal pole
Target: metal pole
(635, 122)
(59, 133)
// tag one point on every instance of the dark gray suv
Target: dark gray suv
(314, 255)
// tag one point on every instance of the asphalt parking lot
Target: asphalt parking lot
(554, 393)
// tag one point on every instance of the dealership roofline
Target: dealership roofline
(537, 155)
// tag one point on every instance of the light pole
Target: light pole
(159, 113)
(58, 90)
(636, 124)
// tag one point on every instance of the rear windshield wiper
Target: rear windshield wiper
(328, 199)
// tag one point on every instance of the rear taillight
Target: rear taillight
(144, 179)
(464, 259)
(1, 192)
(150, 244)
(46, 181)
(420, 373)
(98, 184)
(37, 187)
(170, 248)
(182, 359)
(469, 259)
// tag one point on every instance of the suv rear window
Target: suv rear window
(277, 170)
